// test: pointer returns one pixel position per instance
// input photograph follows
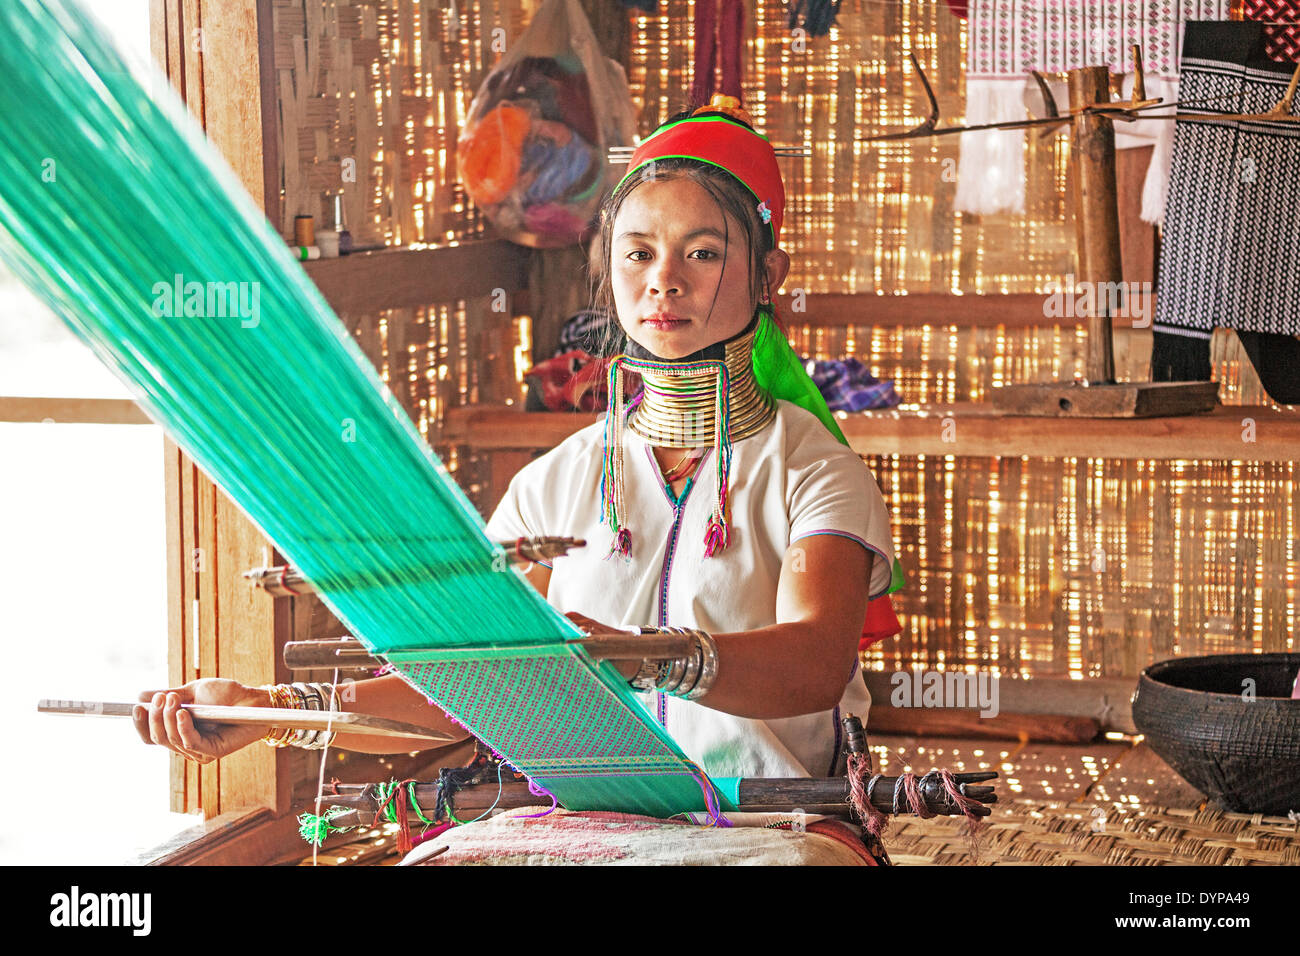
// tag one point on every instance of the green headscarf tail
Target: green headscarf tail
(781, 373)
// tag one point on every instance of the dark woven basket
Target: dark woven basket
(1244, 754)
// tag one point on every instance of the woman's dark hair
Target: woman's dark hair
(734, 200)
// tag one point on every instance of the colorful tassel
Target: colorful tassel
(716, 534)
(611, 477)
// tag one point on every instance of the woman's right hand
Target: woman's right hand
(160, 720)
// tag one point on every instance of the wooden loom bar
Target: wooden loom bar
(820, 795)
(966, 429)
(350, 653)
(280, 718)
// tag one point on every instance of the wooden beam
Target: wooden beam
(243, 837)
(410, 278)
(1020, 310)
(1137, 239)
(214, 56)
(965, 429)
(1105, 700)
(86, 411)
(949, 722)
(1014, 311)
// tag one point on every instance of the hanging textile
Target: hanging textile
(1276, 359)
(195, 302)
(1282, 35)
(1231, 250)
(719, 32)
(818, 16)
(1006, 39)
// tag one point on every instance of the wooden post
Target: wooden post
(216, 55)
(1100, 271)
(1096, 211)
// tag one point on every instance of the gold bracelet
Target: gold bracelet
(283, 698)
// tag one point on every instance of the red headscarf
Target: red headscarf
(742, 152)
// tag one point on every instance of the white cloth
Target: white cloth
(790, 481)
(1007, 39)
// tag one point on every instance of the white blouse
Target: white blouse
(790, 481)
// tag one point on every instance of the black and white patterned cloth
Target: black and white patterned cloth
(1230, 255)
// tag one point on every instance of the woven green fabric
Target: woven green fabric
(116, 211)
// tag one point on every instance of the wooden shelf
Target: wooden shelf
(401, 278)
(938, 309)
(94, 411)
(969, 429)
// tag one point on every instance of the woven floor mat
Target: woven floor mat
(1027, 832)
(1027, 771)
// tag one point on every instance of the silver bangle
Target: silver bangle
(708, 649)
(676, 671)
(646, 675)
(694, 664)
(689, 677)
(692, 676)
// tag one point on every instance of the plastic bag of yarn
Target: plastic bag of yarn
(532, 153)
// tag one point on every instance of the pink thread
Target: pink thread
(716, 537)
(430, 833)
(860, 777)
(710, 797)
(538, 790)
(974, 823)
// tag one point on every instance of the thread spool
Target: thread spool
(304, 231)
(328, 240)
(306, 253)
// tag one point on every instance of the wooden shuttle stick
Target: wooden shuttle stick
(285, 719)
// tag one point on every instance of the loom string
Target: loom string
(500, 789)
(711, 802)
(324, 755)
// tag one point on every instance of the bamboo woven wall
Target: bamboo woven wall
(1030, 566)
(941, 364)
(1089, 567)
(385, 84)
(869, 217)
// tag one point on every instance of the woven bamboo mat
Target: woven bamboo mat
(1027, 770)
(1029, 832)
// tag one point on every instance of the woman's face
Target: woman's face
(678, 287)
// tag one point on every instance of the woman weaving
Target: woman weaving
(714, 504)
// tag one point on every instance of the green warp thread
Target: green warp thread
(118, 213)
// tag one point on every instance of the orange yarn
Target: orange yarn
(490, 153)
